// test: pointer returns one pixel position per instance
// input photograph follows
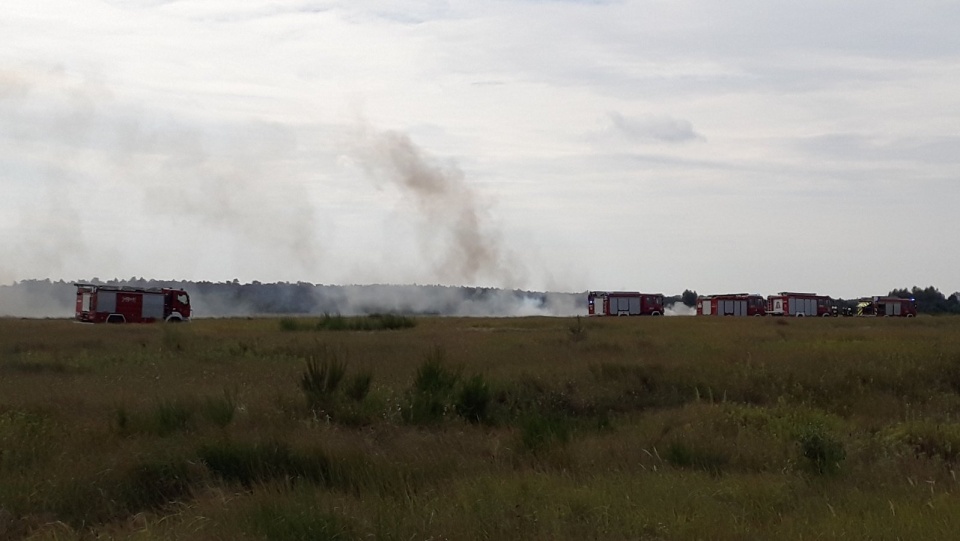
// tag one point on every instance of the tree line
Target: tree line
(930, 300)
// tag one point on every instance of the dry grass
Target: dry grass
(659, 428)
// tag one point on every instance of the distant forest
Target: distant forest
(46, 298)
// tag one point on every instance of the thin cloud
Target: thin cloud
(654, 128)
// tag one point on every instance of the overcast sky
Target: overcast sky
(746, 145)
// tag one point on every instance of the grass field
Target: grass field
(447, 428)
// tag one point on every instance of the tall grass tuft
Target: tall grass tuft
(430, 396)
(321, 378)
(219, 410)
(359, 386)
(169, 416)
(473, 400)
(578, 332)
(433, 376)
(539, 432)
(337, 322)
(929, 438)
(331, 396)
(684, 455)
(151, 484)
(251, 463)
(24, 439)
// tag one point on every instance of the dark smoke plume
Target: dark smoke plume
(472, 252)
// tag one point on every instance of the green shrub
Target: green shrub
(430, 397)
(393, 321)
(473, 400)
(433, 377)
(289, 324)
(333, 323)
(422, 409)
(821, 449)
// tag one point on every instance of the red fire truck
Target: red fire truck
(624, 303)
(786, 303)
(731, 304)
(887, 307)
(116, 304)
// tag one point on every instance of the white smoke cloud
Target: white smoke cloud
(679, 309)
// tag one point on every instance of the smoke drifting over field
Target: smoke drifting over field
(100, 181)
(679, 309)
(42, 298)
(128, 176)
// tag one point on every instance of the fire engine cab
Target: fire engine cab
(732, 304)
(801, 304)
(887, 307)
(624, 303)
(116, 304)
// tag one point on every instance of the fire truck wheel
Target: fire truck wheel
(800, 315)
(909, 315)
(826, 315)
(655, 314)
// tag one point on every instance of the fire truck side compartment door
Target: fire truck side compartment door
(107, 301)
(152, 306)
